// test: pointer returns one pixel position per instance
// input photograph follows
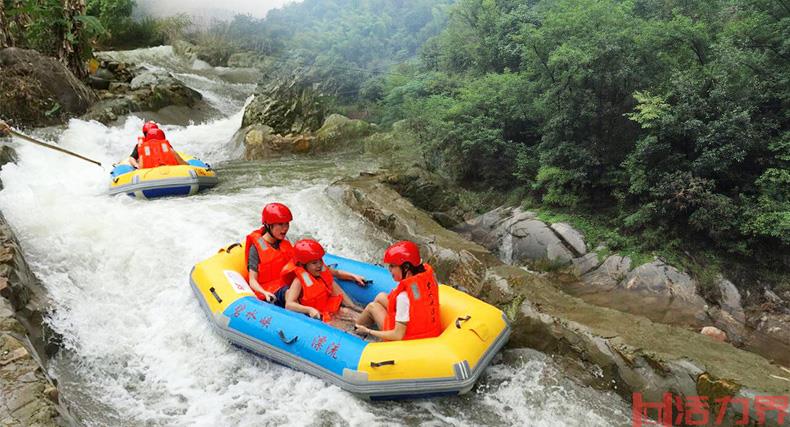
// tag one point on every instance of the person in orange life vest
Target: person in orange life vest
(268, 251)
(157, 151)
(411, 310)
(313, 290)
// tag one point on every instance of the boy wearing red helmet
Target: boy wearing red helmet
(411, 310)
(313, 290)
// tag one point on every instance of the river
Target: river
(138, 350)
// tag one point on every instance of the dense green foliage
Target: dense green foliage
(58, 28)
(669, 116)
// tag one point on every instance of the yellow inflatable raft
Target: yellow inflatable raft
(163, 181)
(449, 364)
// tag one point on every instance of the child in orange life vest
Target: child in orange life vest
(268, 251)
(411, 310)
(156, 154)
(313, 290)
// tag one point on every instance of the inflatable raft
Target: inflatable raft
(446, 365)
(163, 181)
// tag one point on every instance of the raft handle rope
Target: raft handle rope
(216, 296)
(287, 341)
(377, 364)
(461, 319)
(229, 248)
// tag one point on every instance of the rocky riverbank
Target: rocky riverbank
(28, 397)
(627, 353)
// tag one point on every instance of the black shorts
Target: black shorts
(280, 294)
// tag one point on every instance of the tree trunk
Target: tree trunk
(70, 50)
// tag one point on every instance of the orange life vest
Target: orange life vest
(316, 291)
(424, 316)
(155, 152)
(270, 261)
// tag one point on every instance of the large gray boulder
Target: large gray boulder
(37, 90)
(659, 278)
(516, 236)
(609, 274)
(572, 237)
(730, 300)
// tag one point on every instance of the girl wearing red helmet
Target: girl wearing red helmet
(411, 310)
(268, 251)
(313, 290)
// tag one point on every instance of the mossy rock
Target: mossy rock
(338, 129)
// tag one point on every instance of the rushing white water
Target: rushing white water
(138, 348)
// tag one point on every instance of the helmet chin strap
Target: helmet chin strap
(269, 232)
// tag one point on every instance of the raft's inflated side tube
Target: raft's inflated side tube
(163, 181)
(449, 364)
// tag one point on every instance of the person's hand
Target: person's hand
(270, 297)
(362, 330)
(358, 279)
(315, 314)
(5, 130)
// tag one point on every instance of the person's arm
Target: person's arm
(347, 301)
(180, 160)
(345, 275)
(133, 157)
(258, 288)
(292, 301)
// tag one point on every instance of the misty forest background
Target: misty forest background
(656, 126)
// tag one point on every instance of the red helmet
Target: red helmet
(308, 250)
(276, 213)
(148, 126)
(156, 134)
(403, 251)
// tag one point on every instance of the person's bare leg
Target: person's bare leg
(379, 314)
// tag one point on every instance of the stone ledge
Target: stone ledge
(635, 354)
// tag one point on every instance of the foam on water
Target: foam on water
(138, 348)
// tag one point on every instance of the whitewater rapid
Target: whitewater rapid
(137, 348)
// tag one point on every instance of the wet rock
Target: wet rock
(25, 391)
(428, 191)
(573, 239)
(37, 90)
(105, 74)
(260, 142)
(287, 105)
(156, 92)
(339, 130)
(7, 155)
(98, 83)
(714, 332)
(585, 264)
(609, 274)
